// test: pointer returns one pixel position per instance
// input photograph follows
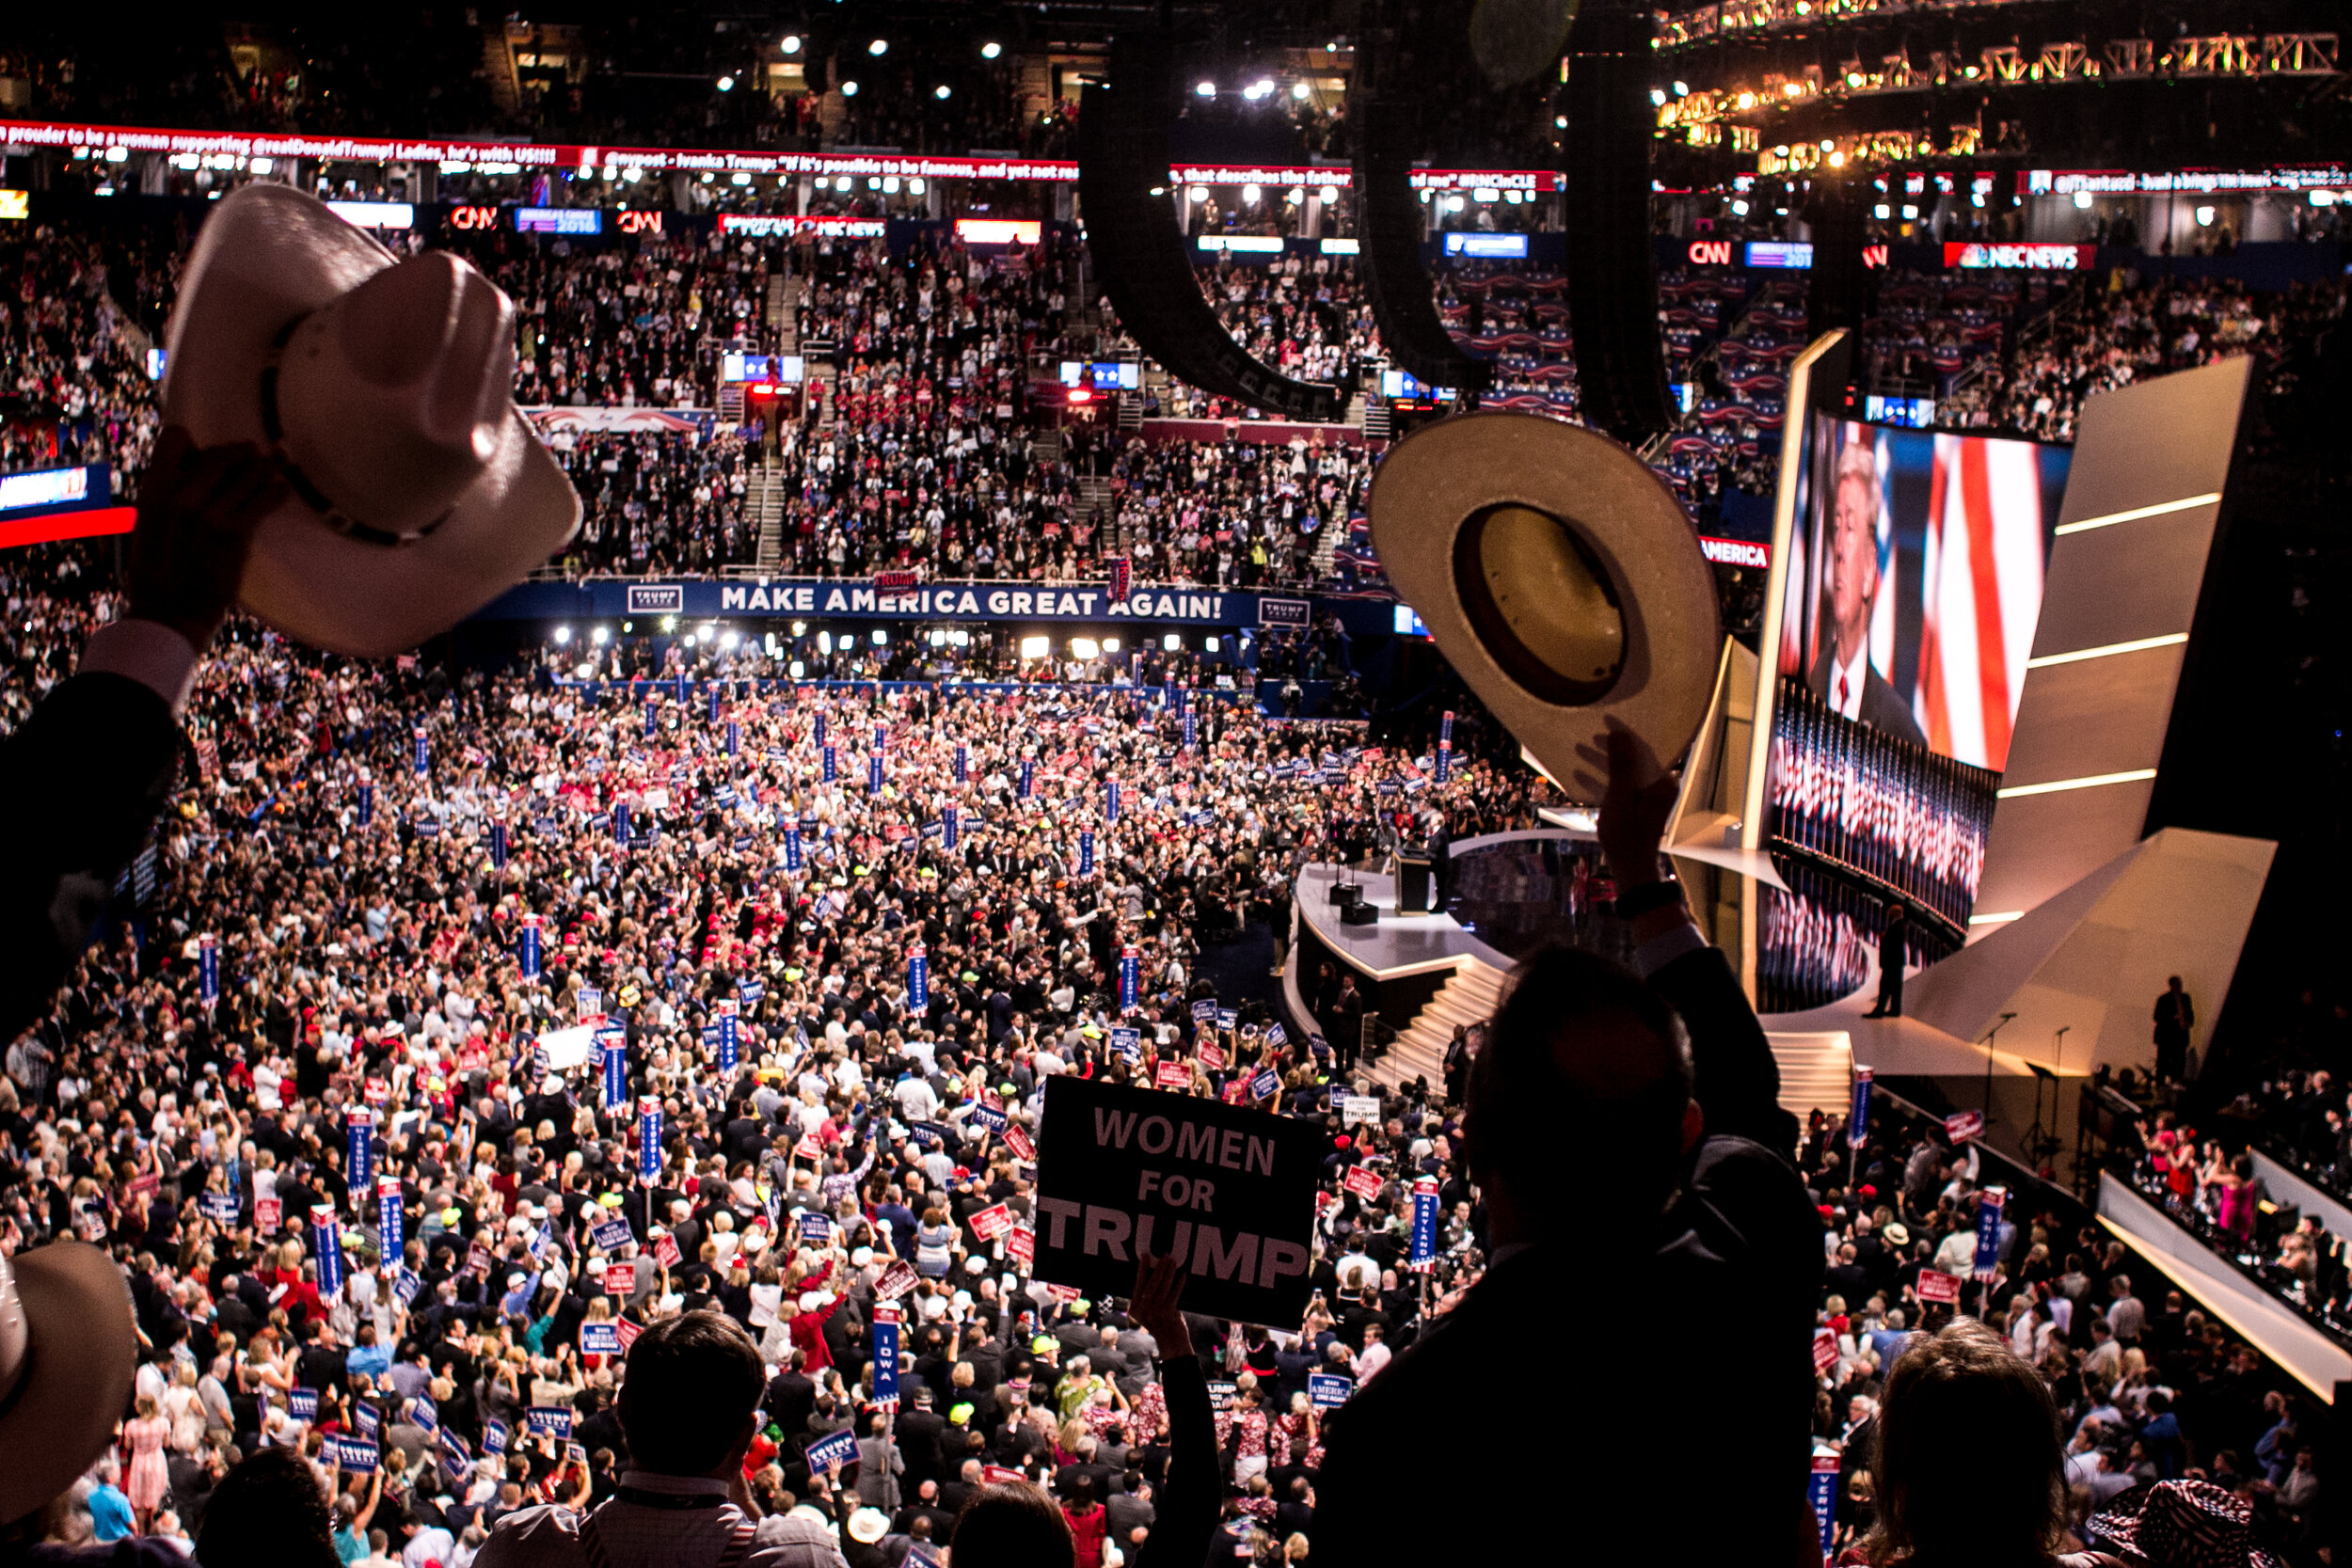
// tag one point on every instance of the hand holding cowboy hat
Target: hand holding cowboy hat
(413, 492)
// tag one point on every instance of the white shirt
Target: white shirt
(1846, 698)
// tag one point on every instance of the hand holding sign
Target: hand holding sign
(1159, 1281)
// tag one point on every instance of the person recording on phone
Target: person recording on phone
(1842, 675)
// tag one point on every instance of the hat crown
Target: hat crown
(392, 398)
(2194, 1524)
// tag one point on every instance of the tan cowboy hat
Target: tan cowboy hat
(1560, 579)
(68, 1354)
(386, 387)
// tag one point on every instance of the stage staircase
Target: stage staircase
(1469, 995)
(764, 497)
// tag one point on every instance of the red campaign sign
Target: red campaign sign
(1212, 1055)
(1824, 1350)
(620, 1279)
(1938, 1287)
(896, 1281)
(1024, 1149)
(1171, 1075)
(991, 1222)
(996, 1475)
(1062, 1293)
(808, 1148)
(268, 1214)
(1362, 1182)
(1963, 1125)
(665, 1252)
(144, 1184)
(478, 1259)
(628, 1333)
(1235, 1092)
(1020, 1245)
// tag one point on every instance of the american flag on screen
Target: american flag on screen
(1981, 594)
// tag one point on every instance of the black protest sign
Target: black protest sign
(1229, 1191)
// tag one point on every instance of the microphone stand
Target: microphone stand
(1990, 1034)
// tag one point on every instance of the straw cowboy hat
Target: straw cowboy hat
(68, 1353)
(385, 387)
(1560, 579)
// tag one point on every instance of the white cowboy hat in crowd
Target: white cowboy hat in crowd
(868, 1525)
(68, 1354)
(1560, 579)
(386, 387)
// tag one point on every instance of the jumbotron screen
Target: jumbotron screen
(1915, 575)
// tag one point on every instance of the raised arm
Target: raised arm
(1737, 1083)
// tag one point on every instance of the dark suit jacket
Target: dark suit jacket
(81, 780)
(1881, 709)
(1735, 1265)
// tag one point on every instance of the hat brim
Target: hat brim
(1441, 476)
(267, 257)
(84, 1356)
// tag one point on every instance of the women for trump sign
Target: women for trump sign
(1229, 1191)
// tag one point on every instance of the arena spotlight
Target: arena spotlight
(799, 628)
(1330, 194)
(796, 669)
(879, 48)
(1299, 90)
(2204, 217)
(668, 623)
(943, 91)
(1199, 192)
(1250, 195)
(848, 89)
(1209, 644)
(843, 183)
(740, 178)
(2082, 199)
(791, 44)
(914, 187)
(1111, 645)
(727, 84)
(1453, 203)
(726, 644)
(989, 50)
(1084, 647)
(958, 638)
(1206, 90)
(938, 637)
(824, 643)
(1173, 643)
(882, 640)
(1037, 647)
(563, 635)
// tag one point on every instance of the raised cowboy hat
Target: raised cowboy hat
(1560, 579)
(386, 388)
(68, 1353)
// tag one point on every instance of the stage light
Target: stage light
(799, 628)
(1206, 90)
(691, 639)
(739, 178)
(873, 181)
(938, 638)
(1209, 644)
(2323, 198)
(2082, 199)
(958, 638)
(1299, 90)
(1331, 194)
(727, 643)
(1262, 88)
(563, 635)
(1199, 192)
(1738, 209)
(1297, 194)
(727, 84)
(848, 89)
(989, 50)
(796, 669)
(1880, 212)
(2204, 217)
(668, 623)
(844, 184)
(1657, 96)
(1559, 122)
(882, 640)
(1682, 90)
(1854, 78)
(914, 187)
(879, 48)
(1453, 203)
(1036, 647)
(1910, 209)
(1746, 101)
(601, 636)
(1250, 195)
(1111, 645)
(824, 642)
(1171, 643)
(943, 91)
(792, 43)
(1084, 647)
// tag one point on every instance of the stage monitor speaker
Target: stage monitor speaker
(1361, 914)
(1346, 893)
(1612, 275)
(1388, 231)
(1138, 249)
